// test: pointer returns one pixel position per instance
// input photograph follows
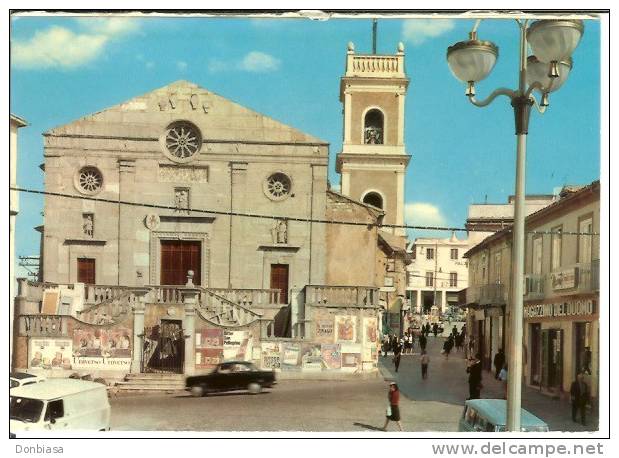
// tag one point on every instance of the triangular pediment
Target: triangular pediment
(219, 119)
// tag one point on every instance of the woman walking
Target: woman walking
(393, 413)
(425, 359)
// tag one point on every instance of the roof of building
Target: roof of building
(565, 199)
(374, 211)
(219, 119)
(453, 240)
(396, 243)
(17, 120)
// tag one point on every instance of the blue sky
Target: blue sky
(63, 68)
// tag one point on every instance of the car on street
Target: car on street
(490, 415)
(23, 378)
(231, 376)
(58, 405)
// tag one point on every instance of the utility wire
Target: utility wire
(276, 217)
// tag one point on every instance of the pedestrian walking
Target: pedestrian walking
(423, 341)
(385, 345)
(474, 371)
(447, 346)
(579, 394)
(435, 329)
(393, 411)
(425, 360)
(499, 362)
(397, 355)
(502, 377)
(458, 342)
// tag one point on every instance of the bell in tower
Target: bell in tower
(373, 160)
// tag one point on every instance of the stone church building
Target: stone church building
(182, 229)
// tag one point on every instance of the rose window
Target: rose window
(182, 140)
(277, 186)
(89, 180)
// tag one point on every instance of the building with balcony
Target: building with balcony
(561, 301)
(437, 271)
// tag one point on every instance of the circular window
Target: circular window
(182, 141)
(89, 180)
(277, 186)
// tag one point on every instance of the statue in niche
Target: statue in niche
(181, 199)
(373, 135)
(279, 231)
(88, 224)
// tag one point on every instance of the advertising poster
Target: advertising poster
(117, 344)
(324, 330)
(209, 347)
(351, 357)
(271, 356)
(88, 342)
(346, 328)
(50, 353)
(331, 356)
(236, 345)
(291, 357)
(102, 343)
(370, 331)
(311, 359)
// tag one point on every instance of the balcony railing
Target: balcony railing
(493, 294)
(360, 296)
(534, 286)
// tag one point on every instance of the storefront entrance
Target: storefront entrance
(536, 354)
(552, 359)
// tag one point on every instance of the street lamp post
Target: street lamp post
(553, 42)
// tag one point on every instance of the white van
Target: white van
(60, 405)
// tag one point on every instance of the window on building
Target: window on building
(429, 278)
(556, 247)
(429, 253)
(373, 128)
(390, 265)
(374, 199)
(454, 253)
(86, 271)
(537, 255)
(497, 267)
(585, 225)
(389, 281)
(453, 279)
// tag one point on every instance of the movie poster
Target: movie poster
(88, 342)
(324, 330)
(209, 347)
(370, 330)
(346, 328)
(236, 345)
(351, 357)
(331, 356)
(50, 353)
(271, 356)
(311, 360)
(117, 343)
(291, 357)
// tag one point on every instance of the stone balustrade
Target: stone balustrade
(375, 65)
(249, 297)
(352, 296)
(43, 325)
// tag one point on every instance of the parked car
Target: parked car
(230, 376)
(23, 378)
(59, 404)
(490, 415)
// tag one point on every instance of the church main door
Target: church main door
(178, 257)
(279, 280)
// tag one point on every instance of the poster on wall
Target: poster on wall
(346, 328)
(324, 330)
(311, 359)
(370, 330)
(105, 343)
(209, 347)
(117, 343)
(236, 345)
(271, 356)
(291, 357)
(50, 353)
(351, 357)
(88, 342)
(331, 356)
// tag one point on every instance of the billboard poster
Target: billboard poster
(370, 330)
(209, 347)
(346, 328)
(103, 343)
(117, 343)
(88, 342)
(324, 330)
(50, 353)
(351, 357)
(331, 356)
(236, 345)
(271, 356)
(102, 363)
(311, 360)
(291, 357)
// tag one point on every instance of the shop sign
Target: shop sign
(564, 279)
(570, 308)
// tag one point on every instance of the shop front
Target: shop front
(561, 338)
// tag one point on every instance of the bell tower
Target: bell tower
(373, 160)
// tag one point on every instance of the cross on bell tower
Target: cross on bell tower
(373, 159)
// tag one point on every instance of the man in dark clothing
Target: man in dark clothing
(499, 361)
(435, 329)
(579, 393)
(474, 371)
(423, 341)
(397, 354)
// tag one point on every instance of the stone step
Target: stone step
(151, 382)
(155, 376)
(148, 387)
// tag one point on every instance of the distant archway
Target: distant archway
(374, 199)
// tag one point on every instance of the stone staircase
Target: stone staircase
(166, 382)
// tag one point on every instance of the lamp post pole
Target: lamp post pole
(472, 61)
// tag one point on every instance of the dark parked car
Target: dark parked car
(231, 376)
